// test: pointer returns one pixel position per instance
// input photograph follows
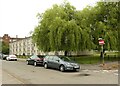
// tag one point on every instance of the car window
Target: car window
(34, 57)
(46, 57)
(50, 57)
(40, 56)
(55, 58)
(65, 58)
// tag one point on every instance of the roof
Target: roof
(19, 39)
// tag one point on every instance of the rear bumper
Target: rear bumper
(39, 62)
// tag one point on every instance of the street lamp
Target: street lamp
(101, 42)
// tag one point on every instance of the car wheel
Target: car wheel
(27, 63)
(45, 66)
(35, 63)
(77, 70)
(62, 68)
(7, 59)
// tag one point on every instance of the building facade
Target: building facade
(23, 47)
(6, 39)
(27, 47)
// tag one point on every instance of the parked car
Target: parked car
(60, 62)
(0, 55)
(35, 60)
(11, 57)
(4, 56)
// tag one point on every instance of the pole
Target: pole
(101, 42)
(103, 62)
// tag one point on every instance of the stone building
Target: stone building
(27, 47)
(23, 47)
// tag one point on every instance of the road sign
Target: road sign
(101, 42)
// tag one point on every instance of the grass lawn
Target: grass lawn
(94, 59)
(24, 57)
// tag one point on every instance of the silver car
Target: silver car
(60, 62)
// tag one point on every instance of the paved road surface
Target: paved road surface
(17, 72)
(0, 72)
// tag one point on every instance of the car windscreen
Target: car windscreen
(65, 58)
(40, 56)
(34, 56)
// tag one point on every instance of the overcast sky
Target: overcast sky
(18, 17)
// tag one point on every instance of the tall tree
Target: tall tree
(105, 24)
(63, 28)
(5, 48)
(58, 30)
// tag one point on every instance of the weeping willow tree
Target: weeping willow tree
(58, 30)
(63, 28)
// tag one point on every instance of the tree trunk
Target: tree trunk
(66, 53)
(101, 55)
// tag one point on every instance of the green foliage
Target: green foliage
(64, 28)
(5, 48)
(93, 59)
(106, 25)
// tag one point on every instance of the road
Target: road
(18, 72)
(0, 72)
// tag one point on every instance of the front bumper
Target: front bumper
(72, 68)
(12, 59)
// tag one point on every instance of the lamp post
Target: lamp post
(101, 42)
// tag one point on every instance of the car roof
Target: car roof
(37, 56)
(12, 55)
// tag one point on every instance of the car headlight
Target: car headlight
(68, 64)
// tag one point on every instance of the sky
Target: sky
(18, 17)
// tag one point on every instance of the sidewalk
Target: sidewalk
(107, 66)
(21, 59)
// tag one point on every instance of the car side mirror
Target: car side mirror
(57, 60)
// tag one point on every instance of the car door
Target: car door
(31, 60)
(56, 62)
(50, 61)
